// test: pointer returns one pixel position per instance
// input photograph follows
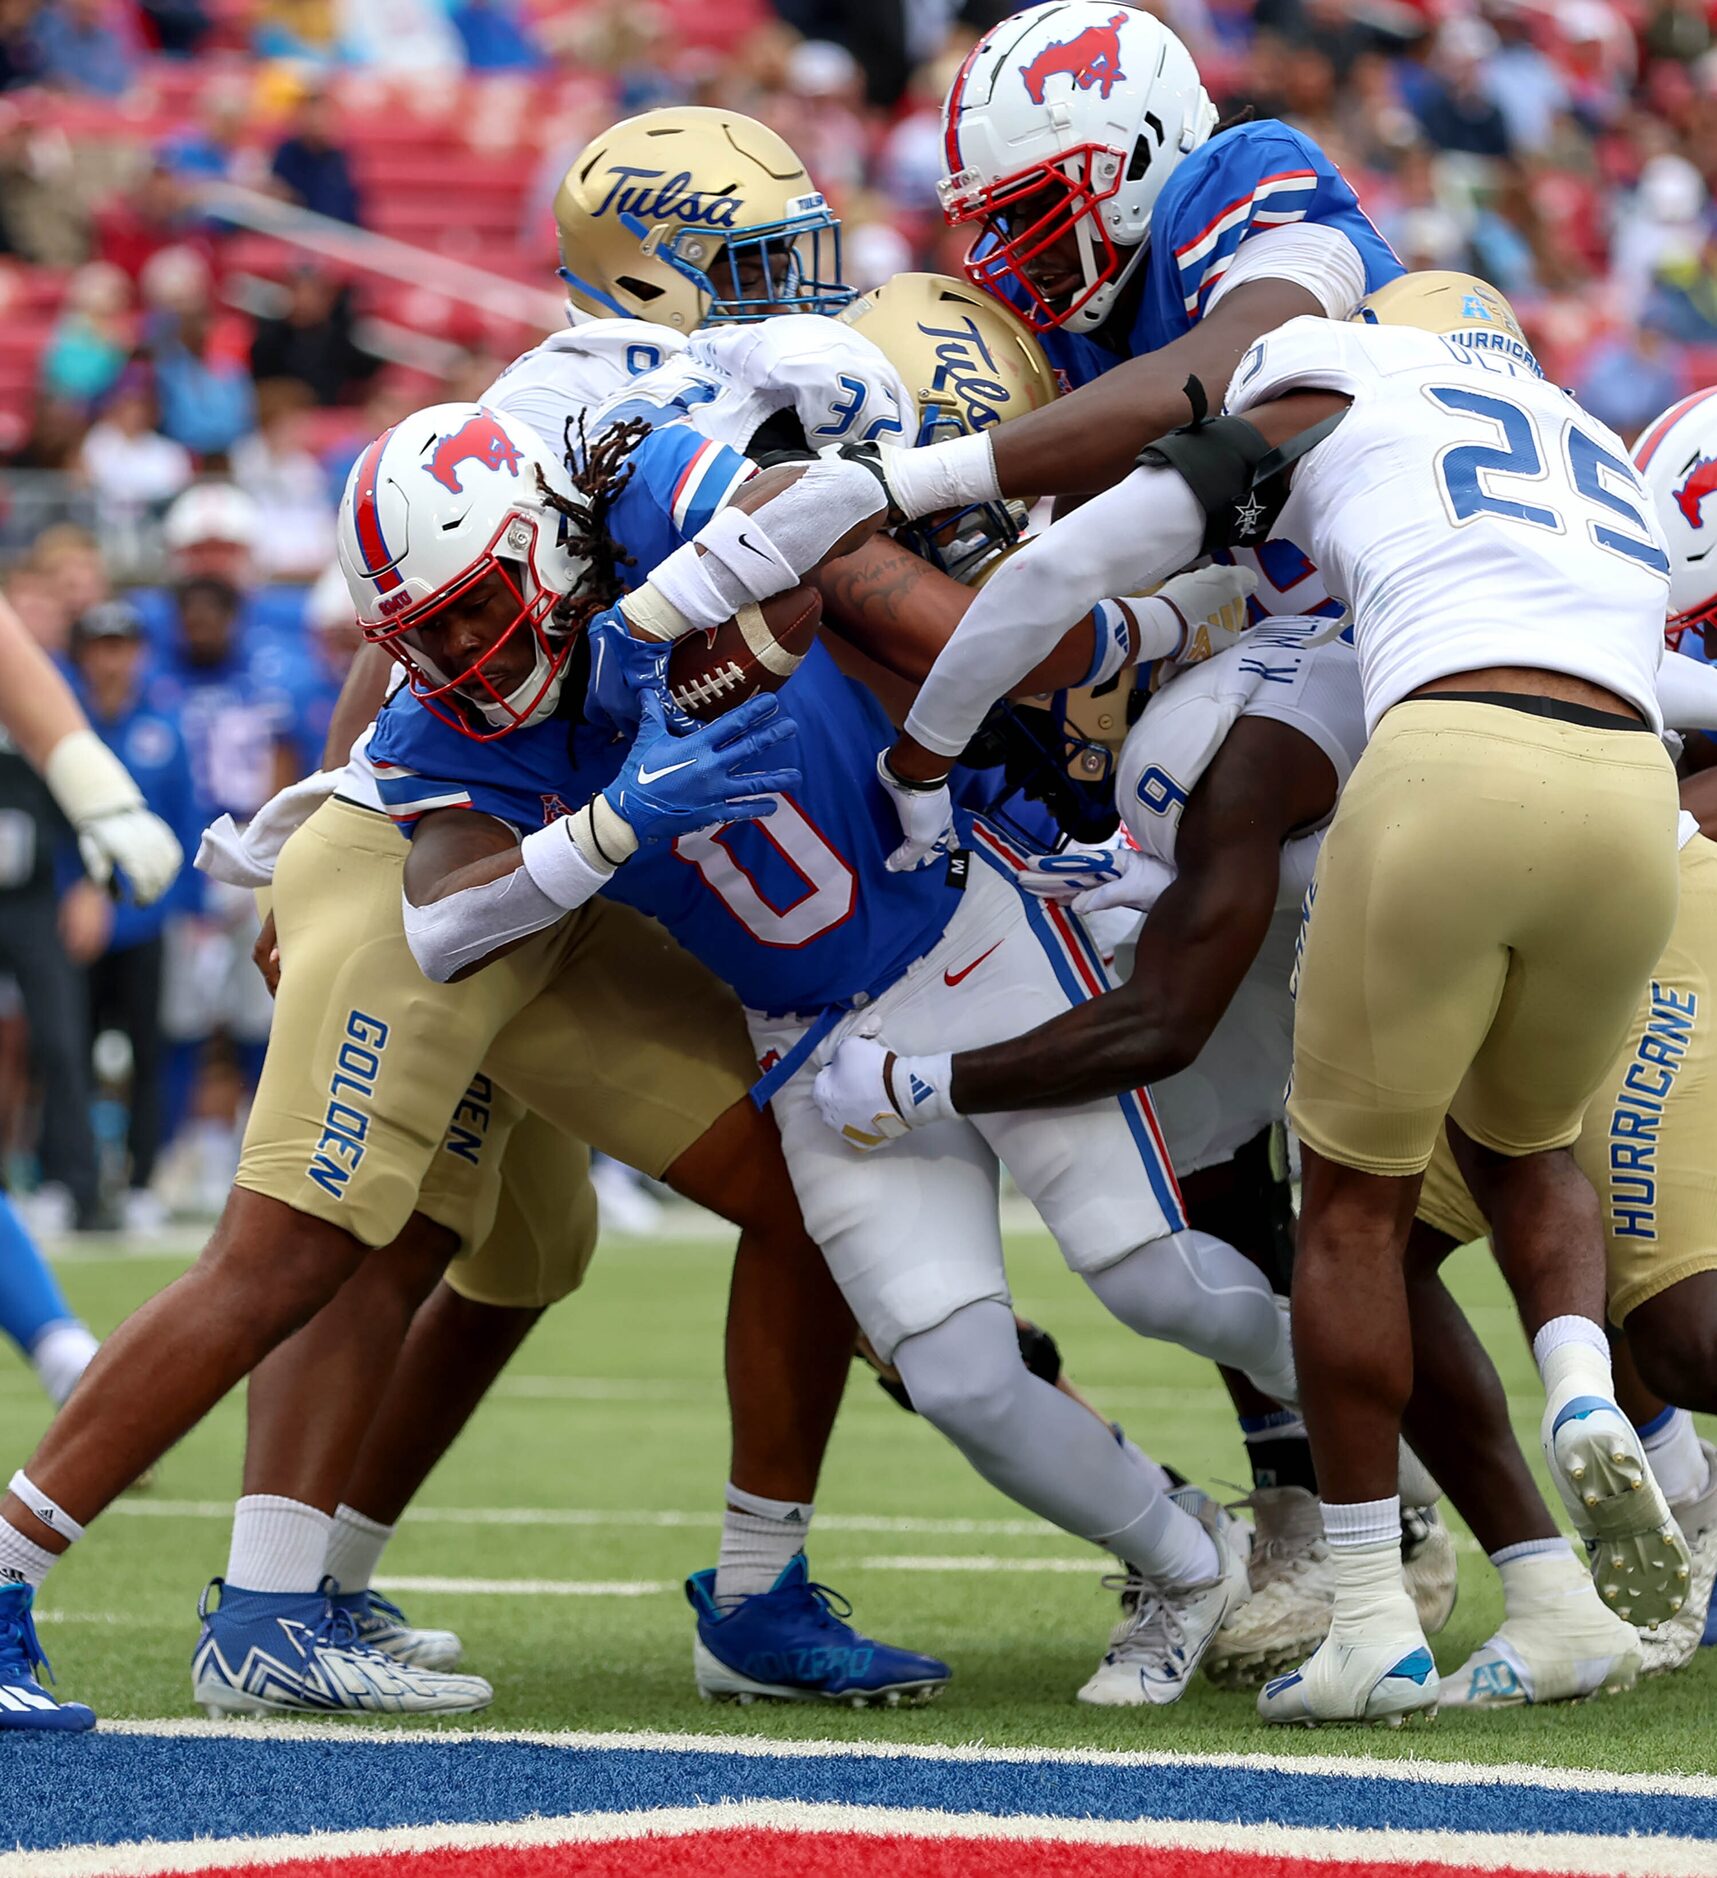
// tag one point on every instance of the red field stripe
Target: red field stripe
(773, 1854)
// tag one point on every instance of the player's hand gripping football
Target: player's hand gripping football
(869, 1095)
(728, 771)
(622, 668)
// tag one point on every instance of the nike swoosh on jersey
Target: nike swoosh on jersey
(656, 775)
(953, 978)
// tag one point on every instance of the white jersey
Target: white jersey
(730, 380)
(1297, 672)
(579, 370)
(1468, 512)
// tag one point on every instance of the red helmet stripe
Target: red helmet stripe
(952, 109)
(368, 519)
(1646, 449)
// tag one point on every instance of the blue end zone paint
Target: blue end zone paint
(102, 1789)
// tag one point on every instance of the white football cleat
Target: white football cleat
(385, 1627)
(1640, 1561)
(1429, 1567)
(1671, 1645)
(1165, 1629)
(267, 1653)
(1387, 1681)
(1557, 1644)
(1293, 1588)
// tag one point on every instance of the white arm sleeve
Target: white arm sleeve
(1311, 255)
(1687, 692)
(1131, 536)
(465, 928)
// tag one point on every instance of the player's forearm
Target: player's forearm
(1090, 439)
(1129, 538)
(1687, 693)
(1103, 1048)
(900, 612)
(361, 697)
(37, 707)
(780, 527)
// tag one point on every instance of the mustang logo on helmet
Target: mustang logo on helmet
(478, 440)
(1699, 482)
(1092, 57)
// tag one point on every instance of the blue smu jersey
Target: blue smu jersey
(1247, 181)
(232, 716)
(797, 913)
(677, 481)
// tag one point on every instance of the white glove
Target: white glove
(926, 819)
(114, 829)
(1095, 879)
(870, 1096)
(1211, 602)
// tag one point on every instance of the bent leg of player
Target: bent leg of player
(368, 1113)
(1098, 1177)
(639, 1051)
(1557, 1641)
(1487, 995)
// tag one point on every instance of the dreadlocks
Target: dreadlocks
(599, 472)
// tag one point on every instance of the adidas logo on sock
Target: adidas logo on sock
(10, 1576)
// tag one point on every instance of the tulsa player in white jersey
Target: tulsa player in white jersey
(1430, 546)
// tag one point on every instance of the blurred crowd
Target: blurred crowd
(179, 405)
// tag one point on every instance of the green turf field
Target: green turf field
(603, 1456)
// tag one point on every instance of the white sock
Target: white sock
(758, 1540)
(1573, 1357)
(1672, 1445)
(60, 1355)
(355, 1548)
(22, 1561)
(1166, 1543)
(1528, 1548)
(278, 1545)
(1356, 1524)
(1369, 1594)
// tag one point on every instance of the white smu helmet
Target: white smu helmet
(1677, 460)
(1068, 118)
(434, 506)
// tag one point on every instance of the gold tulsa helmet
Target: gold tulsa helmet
(690, 215)
(968, 363)
(1459, 306)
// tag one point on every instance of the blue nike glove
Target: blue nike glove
(672, 785)
(622, 669)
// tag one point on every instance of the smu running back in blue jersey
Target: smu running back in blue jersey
(1245, 182)
(798, 913)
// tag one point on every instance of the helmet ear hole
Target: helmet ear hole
(1142, 151)
(639, 289)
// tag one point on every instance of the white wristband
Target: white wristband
(939, 476)
(574, 858)
(653, 613)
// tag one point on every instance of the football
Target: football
(759, 649)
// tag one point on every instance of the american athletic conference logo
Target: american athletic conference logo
(1091, 58)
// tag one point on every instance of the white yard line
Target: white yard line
(534, 1587)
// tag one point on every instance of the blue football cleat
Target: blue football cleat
(385, 1627)
(24, 1703)
(791, 1644)
(274, 1653)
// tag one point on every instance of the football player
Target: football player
(1643, 1146)
(331, 1175)
(1582, 651)
(818, 937)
